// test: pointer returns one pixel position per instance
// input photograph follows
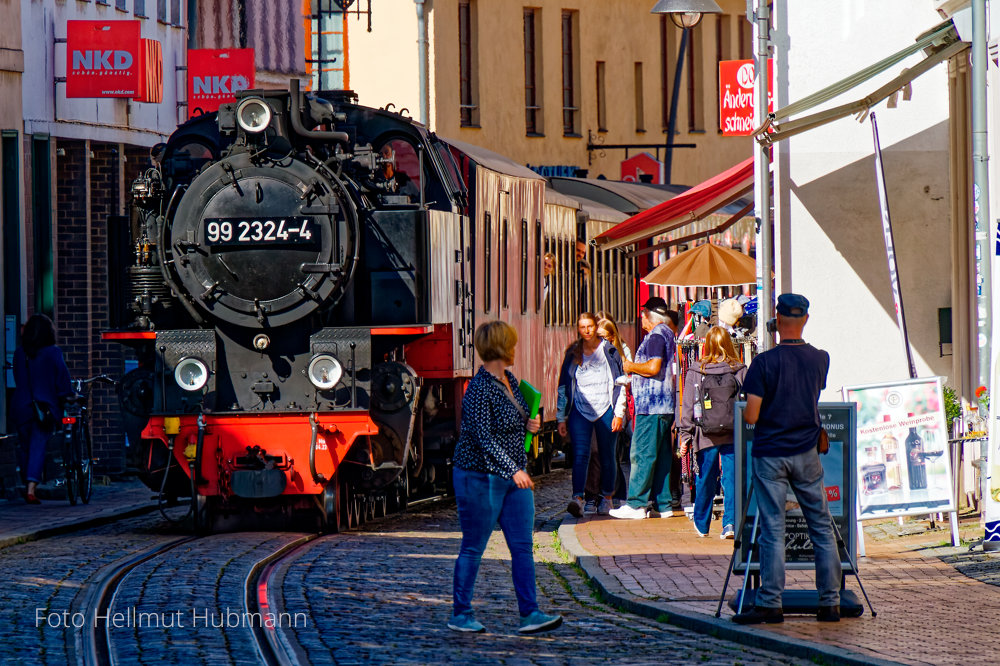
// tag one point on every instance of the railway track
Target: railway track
(261, 614)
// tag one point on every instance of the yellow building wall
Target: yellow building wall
(384, 68)
(619, 34)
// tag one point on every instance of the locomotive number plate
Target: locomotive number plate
(243, 232)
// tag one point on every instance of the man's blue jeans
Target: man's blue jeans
(708, 486)
(483, 499)
(650, 457)
(772, 477)
(580, 432)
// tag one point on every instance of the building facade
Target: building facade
(549, 83)
(71, 161)
(828, 226)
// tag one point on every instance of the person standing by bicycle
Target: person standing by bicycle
(41, 381)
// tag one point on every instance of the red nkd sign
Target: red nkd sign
(736, 96)
(215, 76)
(102, 58)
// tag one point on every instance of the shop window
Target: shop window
(121, 5)
(11, 210)
(570, 73)
(175, 12)
(468, 65)
(139, 8)
(41, 211)
(487, 262)
(161, 11)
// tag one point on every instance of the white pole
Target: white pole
(762, 176)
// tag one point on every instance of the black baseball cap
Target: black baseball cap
(657, 305)
(793, 305)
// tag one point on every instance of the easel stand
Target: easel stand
(805, 602)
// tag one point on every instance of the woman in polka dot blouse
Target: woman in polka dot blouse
(491, 484)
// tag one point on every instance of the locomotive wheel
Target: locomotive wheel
(201, 514)
(330, 512)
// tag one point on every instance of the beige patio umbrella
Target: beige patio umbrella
(707, 265)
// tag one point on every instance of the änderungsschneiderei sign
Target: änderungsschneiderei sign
(902, 450)
(838, 481)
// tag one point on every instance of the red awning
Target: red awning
(690, 206)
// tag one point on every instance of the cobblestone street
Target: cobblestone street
(381, 594)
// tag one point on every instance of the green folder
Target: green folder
(533, 397)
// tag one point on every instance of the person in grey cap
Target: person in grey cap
(783, 386)
(652, 386)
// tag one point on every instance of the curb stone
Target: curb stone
(615, 594)
(103, 518)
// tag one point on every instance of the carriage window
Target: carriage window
(539, 266)
(487, 262)
(524, 267)
(406, 166)
(504, 268)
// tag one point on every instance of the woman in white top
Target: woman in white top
(591, 401)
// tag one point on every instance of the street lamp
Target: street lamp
(685, 14)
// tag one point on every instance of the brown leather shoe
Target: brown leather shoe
(760, 615)
(828, 614)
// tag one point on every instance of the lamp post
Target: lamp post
(685, 14)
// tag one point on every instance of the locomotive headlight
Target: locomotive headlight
(253, 115)
(191, 374)
(324, 372)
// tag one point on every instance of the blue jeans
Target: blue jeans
(650, 457)
(31, 450)
(771, 479)
(483, 499)
(707, 486)
(580, 432)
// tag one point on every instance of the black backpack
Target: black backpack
(717, 394)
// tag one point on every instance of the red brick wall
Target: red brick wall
(91, 182)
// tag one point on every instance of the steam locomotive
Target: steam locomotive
(307, 276)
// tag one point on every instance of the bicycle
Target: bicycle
(78, 450)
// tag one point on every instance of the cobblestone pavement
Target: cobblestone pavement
(383, 595)
(928, 612)
(44, 583)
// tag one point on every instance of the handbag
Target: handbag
(823, 444)
(42, 413)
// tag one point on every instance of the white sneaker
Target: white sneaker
(590, 507)
(628, 513)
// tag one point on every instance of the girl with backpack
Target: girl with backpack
(711, 390)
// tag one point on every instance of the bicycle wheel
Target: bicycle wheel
(85, 468)
(70, 466)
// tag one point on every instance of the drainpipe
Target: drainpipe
(425, 111)
(984, 259)
(761, 17)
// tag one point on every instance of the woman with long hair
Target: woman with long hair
(713, 384)
(41, 381)
(589, 401)
(491, 484)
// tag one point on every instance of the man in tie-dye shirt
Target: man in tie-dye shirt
(653, 388)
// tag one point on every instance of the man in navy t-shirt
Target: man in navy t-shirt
(783, 386)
